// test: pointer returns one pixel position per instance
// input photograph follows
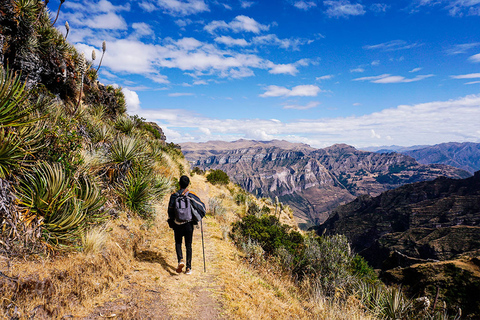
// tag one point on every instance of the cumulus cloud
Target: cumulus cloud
(426, 123)
(229, 41)
(142, 29)
(387, 78)
(96, 15)
(239, 24)
(298, 91)
(394, 45)
(343, 8)
(132, 100)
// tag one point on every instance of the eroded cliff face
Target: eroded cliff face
(314, 181)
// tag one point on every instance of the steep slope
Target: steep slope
(313, 181)
(424, 236)
(465, 155)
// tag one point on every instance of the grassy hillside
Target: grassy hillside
(83, 191)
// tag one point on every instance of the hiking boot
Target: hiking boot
(188, 271)
(181, 264)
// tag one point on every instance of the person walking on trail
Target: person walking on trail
(184, 211)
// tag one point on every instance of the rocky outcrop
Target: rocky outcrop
(312, 181)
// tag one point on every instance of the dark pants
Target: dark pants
(180, 231)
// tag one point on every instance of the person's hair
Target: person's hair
(184, 182)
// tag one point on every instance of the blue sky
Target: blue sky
(365, 73)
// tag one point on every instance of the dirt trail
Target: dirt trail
(153, 289)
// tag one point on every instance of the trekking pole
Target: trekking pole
(203, 247)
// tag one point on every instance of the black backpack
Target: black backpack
(183, 207)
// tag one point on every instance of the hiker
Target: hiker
(185, 209)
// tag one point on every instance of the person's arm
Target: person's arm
(171, 206)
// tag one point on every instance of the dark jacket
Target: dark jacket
(195, 202)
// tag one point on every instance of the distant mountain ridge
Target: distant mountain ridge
(312, 181)
(464, 155)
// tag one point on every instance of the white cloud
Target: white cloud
(462, 48)
(147, 6)
(387, 78)
(325, 77)
(427, 123)
(375, 63)
(273, 40)
(132, 100)
(182, 7)
(393, 45)
(142, 29)
(415, 70)
(298, 91)
(284, 69)
(343, 8)
(359, 70)
(96, 15)
(239, 24)
(304, 5)
(473, 82)
(229, 41)
(180, 94)
(467, 76)
(375, 135)
(309, 105)
(246, 4)
(475, 58)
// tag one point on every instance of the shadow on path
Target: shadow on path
(155, 257)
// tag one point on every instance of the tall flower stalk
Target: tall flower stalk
(104, 48)
(58, 11)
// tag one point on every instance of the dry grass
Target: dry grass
(94, 240)
(134, 277)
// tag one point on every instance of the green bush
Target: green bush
(218, 177)
(197, 170)
(325, 263)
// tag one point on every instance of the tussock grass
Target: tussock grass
(94, 240)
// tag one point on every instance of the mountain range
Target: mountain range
(464, 155)
(312, 181)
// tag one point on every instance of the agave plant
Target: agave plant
(89, 192)
(161, 185)
(124, 153)
(10, 152)
(125, 124)
(13, 113)
(136, 192)
(48, 194)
